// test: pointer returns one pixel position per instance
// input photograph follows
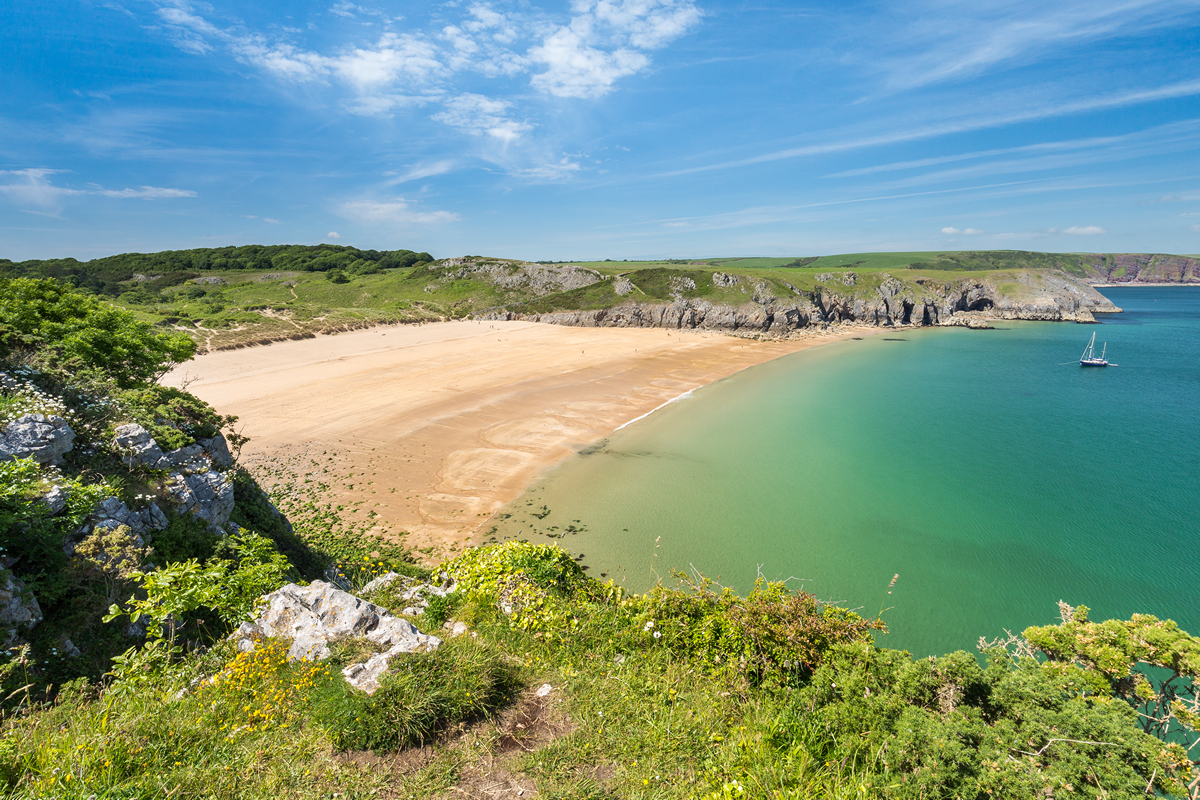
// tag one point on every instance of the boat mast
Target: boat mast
(1087, 351)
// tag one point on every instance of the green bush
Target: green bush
(421, 694)
(946, 727)
(770, 634)
(440, 608)
(185, 537)
(74, 332)
(535, 584)
(173, 417)
(28, 532)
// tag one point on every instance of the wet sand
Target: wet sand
(447, 422)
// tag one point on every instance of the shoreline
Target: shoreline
(441, 425)
(1149, 285)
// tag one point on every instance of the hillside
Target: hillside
(236, 296)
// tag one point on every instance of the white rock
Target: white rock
(208, 495)
(19, 609)
(383, 581)
(43, 438)
(55, 500)
(188, 460)
(218, 451)
(111, 513)
(544, 690)
(137, 446)
(312, 616)
(153, 517)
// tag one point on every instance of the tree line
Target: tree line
(106, 276)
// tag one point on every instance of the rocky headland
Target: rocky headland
(880, 300)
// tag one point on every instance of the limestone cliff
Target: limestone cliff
(844, 298)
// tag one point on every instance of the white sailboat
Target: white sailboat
(1089, 359)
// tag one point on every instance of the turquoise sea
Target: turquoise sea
(986, 468)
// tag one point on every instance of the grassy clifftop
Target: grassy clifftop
(234, 296)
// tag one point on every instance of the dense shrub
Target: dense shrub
(73, 332)
(109, 276)
(947, 727)
(770, 634)
(173, 417)
(534, 584)
(30, 536)
(185, 537)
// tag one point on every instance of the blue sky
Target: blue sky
(600, 128)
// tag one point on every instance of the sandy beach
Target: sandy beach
(447, 422)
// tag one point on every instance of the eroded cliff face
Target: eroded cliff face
(1135, 268)
(963, 302)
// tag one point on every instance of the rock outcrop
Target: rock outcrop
(19, 609)
(537, 279)
(138, 448)
(1135, 268)
(45, 439)
(313, 616)
(846, 299)
(111, 513)
(196, 483)
(206, 495)
(415, 595)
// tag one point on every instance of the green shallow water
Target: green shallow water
(991, 477)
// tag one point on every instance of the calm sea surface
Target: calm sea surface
(994, 478)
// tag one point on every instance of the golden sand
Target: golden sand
(450, 421)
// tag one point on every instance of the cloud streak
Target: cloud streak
(32, 187)
(396, 210)
(838, 143)
(932, 46)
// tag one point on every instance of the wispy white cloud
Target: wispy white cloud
(32, 187)
(968, 231)
(838, 141)
(381, 105)
(1085, 230)
(479, 115)
(549, 171)
(602, 42)
(424, 170)
(927, 42)
(394, 71)
(146, 192)
(333, 235)
(576, 69)
(394, 210)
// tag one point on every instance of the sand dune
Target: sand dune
(452, 420)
